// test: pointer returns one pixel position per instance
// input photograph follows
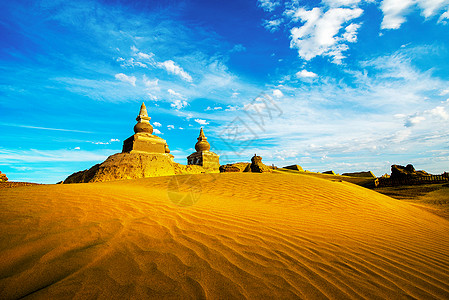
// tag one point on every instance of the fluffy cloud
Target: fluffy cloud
(157, 124)
(175, 94)
(328, 28)
(150, 83)
(277, 93)
(444, 17)
(395, 11)
(172, 68)
(214, 108)
(157, 131)
(178, 104)
(170, 127)
(268, 5)
(145, 55)
(130, 62)
(106, 143)
(440, 111)
(434, 115)
(124, 78)
(413, 120)
(305, 74)
(320, 32)
(432, 7)
(201, 121)
(272, 25)
(340, 3)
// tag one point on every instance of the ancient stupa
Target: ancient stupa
(143, 155)
(143, 140)
(203, 157)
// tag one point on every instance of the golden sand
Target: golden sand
(253, 236)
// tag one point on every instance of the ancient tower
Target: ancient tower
(203, 157)
(144, 141)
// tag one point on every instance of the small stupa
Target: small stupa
(203, 157)
(143, 140)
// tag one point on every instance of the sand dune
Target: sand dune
(248, 235)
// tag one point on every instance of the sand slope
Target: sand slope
(249, 235)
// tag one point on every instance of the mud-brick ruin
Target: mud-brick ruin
(203, 156)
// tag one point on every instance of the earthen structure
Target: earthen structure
(203, 156)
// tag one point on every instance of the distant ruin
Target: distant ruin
(3, 177)
(360, 174)
(407, 175)
(256, 166)
(294, 167)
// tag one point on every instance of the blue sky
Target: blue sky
(345, 85)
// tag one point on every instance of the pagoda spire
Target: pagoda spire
(202, 144)
(143, 121)
(143, 115)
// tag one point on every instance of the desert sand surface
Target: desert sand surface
(431, 197)
(246, 235)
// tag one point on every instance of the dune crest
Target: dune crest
(248, 236)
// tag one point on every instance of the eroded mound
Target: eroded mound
(132, 166)
(244, 235)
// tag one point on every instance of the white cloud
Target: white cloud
(214, 108)
(201, 121)
(432, 7)
(145, 55)
(340, 3)
(444, 92)
(319, 34)
(178, 104)
(77, 148)
(170, 127)
(231, 108)
(277, 93)
(305, 74)
(440, 111)
(395, 11)
(134, 48)
(414, 120)
(157, 131)
(175, 94)
(114, 140)
(171, 67)
(157, 124)
(150, 83)
(272, 25)
(238, 48)
(130, 62)
(124, 78)
(268, 5)
(443, 18)
(350, 34)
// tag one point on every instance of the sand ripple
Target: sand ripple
(250, 236)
